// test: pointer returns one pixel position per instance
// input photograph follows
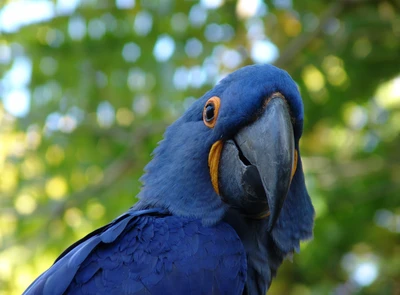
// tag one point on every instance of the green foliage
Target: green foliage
(100, 99)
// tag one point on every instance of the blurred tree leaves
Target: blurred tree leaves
(102, 80)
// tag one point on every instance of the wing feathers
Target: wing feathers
(147, 254)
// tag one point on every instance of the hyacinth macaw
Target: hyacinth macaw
(223, 201)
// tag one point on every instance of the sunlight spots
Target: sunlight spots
(131, 52)
(96, 28)
(73, 217)
(197, 77)
(5, 266)
(105, 114)
(136, 79)
(188, 102)
(143, 23)
(264, 51)
(23, 275)
(94, 174)
(395, 91)
(388, 220)
(179, 22)
(110, 22)
(141, 104)
(185, 77)
(193, 47)
(355, 116)
(56, 187)
(180, 78)
(67, 123)
(32, 167)
(343, 141)
(313, 78)
(124, 117)
(291, 25)
(283, 4)
(8, 178)
(48, 65)
(388, 94)
(231, 59)
(393, 126)
(43, 94)
(125, 4)
(33, 137)
(101, 79)
(197, 15)
(333, 67)
(214, 33)
(211, 4)
(363, 268)
(52, 121)
(66, 7)
(17, 14)
(5, 53)
(95, 210)
(25, 204)
(55, 155)
(20, 73)
(219, 33)
(16, 97)
(17, 102)
(8, 224)
(77, 28)
(211, 69)
(17, 144)
(332, 26)
(384, 218)
(386, 11)
(11, 267)
(255, 29)
(54, 38)
(310, 22)
(164, 48)
(247, 8)
(362, 47)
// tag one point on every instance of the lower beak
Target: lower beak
(256, 166)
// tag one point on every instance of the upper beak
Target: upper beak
(256, 165)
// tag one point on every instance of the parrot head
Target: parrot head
(236, 147)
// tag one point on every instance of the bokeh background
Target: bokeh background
(88, 86)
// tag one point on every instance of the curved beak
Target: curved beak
(256, 165)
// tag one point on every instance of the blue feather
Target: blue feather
(109, 266)
(180, 238)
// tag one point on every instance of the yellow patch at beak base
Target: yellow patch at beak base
(294, 165)
(213, 163)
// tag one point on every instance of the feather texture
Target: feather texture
(150, 252)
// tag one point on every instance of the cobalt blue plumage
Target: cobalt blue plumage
(181, 237)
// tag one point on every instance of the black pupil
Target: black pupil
(209, 112)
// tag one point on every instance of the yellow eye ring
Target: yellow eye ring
(210, 111)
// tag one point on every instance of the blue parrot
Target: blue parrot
(223, 201)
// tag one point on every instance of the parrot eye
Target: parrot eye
(210, 111)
